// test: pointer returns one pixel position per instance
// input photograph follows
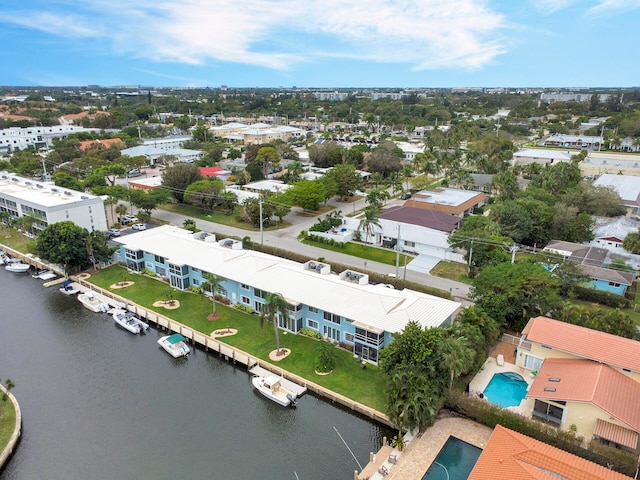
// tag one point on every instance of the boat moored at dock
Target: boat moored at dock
(130, 321)
(175, 345)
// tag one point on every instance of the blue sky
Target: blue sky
(321, 43)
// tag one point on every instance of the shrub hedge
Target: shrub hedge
(604, 298)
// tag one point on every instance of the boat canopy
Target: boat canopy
(66, 283)
(175, 338)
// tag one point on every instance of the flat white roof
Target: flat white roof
(270, 185)
(367, 305)
(446, 196)
(627, 186)
(40, 193)
(547, 154)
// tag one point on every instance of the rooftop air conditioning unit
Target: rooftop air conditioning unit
(67, 192)
(55, 190)
(84, 197)
(319, 267)
(312, 265)
(39, 186)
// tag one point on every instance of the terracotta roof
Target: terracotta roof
(443, 222)
(107, 142)
(586, 381)
(584, 342)
(511, 455)
(210, 171)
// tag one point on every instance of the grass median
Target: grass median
(255, 337)
(7, 421)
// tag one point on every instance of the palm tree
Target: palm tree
(111, 201)
(213, 285)
(275, 305)
(369, 221)
(121, 209)
(457, 357)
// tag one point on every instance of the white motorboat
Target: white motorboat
(130, 321)
(93, 303)
(175, 345)
(271, 387)
(44, 275)
(17, 267)
(69, 288)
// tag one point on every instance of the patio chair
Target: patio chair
(393, 458)
(500, 360)
(383, 470)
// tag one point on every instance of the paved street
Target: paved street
(286, 238)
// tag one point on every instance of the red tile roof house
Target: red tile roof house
(510, 455)
(106, 143)
(587, 381)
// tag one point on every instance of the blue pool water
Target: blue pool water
(506, 389)
(455, 461)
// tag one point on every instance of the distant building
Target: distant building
(572, 97)
(16, 138)
(50, 204)
(540, 156)
(627, 186)
(591, 260)
(106, 143)
(573, 141)
(448, 200)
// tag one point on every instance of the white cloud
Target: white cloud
(551, 6)
(64, 25)
(612, 7)
(279, 34)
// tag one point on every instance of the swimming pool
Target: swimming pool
(455, 461)
(506, 389)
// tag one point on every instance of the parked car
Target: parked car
(134, 172)
(127, 219)
(113, 232)
(139, 226)
(405, 196)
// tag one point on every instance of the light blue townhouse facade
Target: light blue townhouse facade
(344, 308)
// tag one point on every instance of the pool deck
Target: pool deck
(484, 376)
(422, 450)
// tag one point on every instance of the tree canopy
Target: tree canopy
(64, 243)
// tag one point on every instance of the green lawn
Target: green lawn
(453, 271)
(257, 338)
(7, 422)
(16, 240)
(375, 254)
(218, 216)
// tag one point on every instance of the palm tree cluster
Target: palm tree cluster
(422, 364)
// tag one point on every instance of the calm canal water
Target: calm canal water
(100, 403)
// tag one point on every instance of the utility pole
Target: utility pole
(261, 230)
(470, 255)
(44, 168)
(398, 254)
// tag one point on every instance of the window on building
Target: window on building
(349, 337)
(331, 333)
(532, 363)
(313, 324)
(259, 293)
(332, 317)
(244, 286)
(158, 259)
(245, 300)
(410, 244)
(313, 309)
